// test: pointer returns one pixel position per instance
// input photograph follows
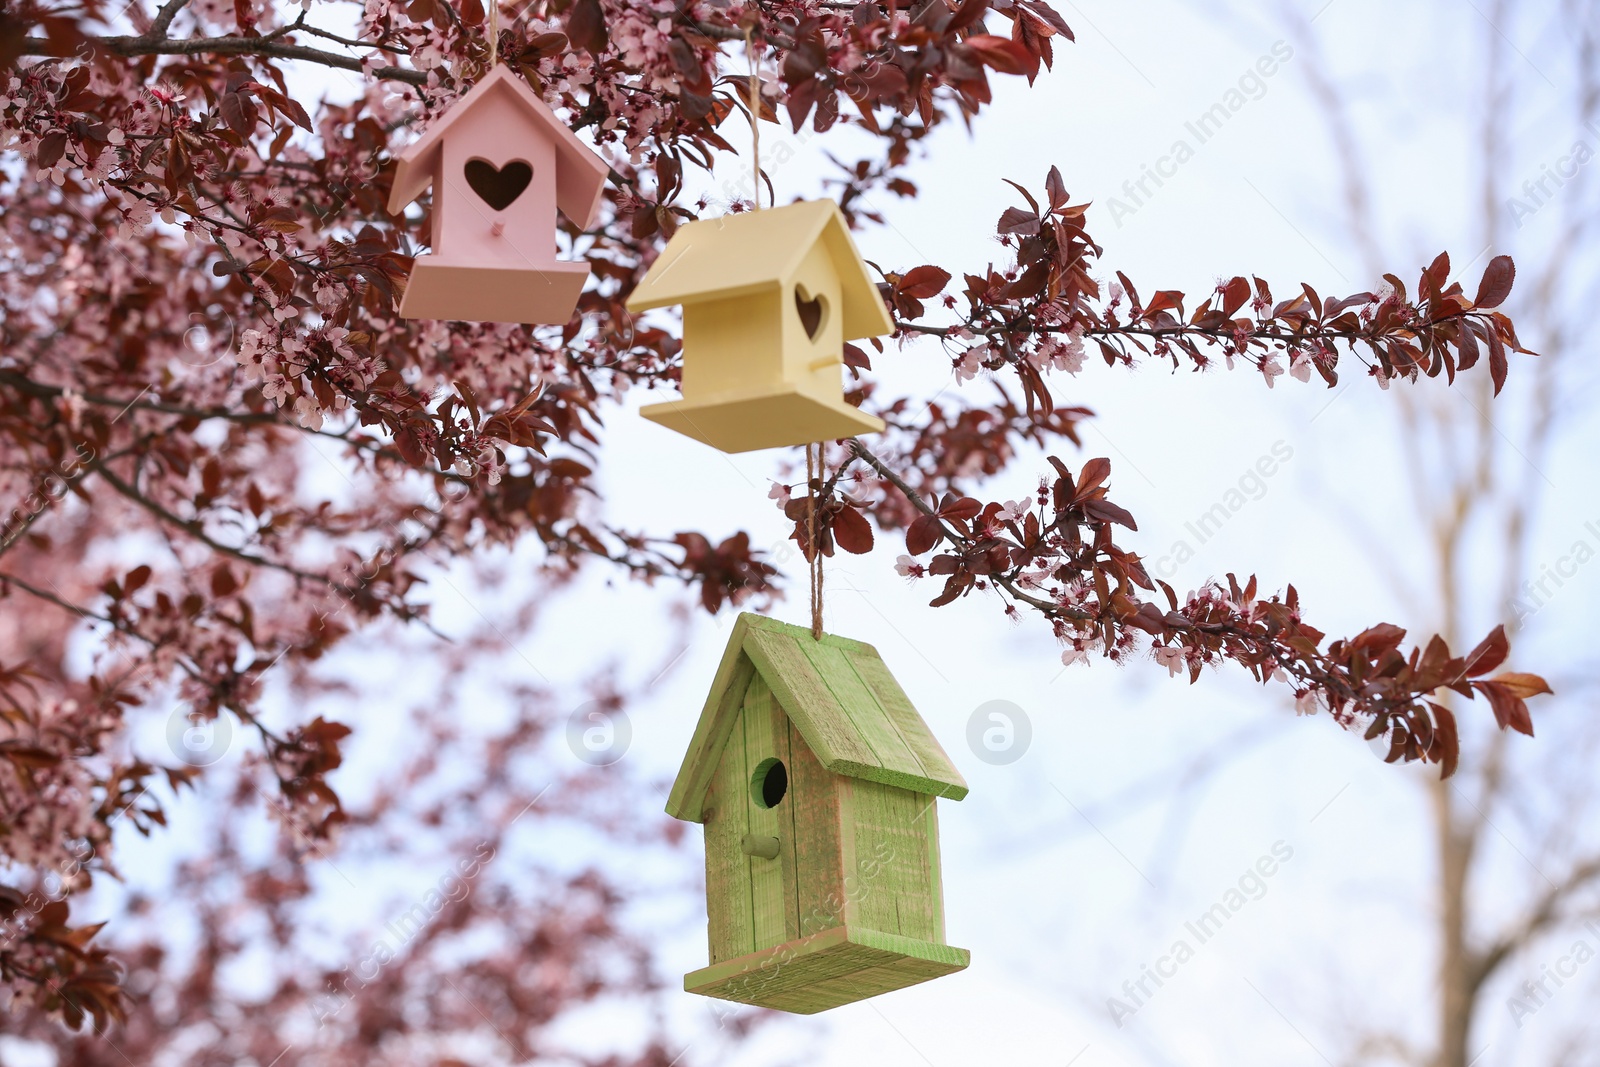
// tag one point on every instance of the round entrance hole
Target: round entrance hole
(770, 782)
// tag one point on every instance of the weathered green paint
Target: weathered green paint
(881, 740)
(908, 724)
(931, 816)
(850, 906)
(838, 966)
(819, 866)
(892, 887)
(861, 707)
(767, 885)
(711, 733)
(728, 891)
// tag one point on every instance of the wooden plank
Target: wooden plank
(838, 966)
(767, 886)
(808, 701)
(862, 984)
(784, 629)
(861, 707)
(912, 728)
(730, 926)
(891, 887)
(845, 793)
(768, 970)
(788, 842)
(930, 820)
(711, 733)
(819, 879)
(732, 255)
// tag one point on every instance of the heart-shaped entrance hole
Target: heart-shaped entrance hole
(499, 187)
(813, 311)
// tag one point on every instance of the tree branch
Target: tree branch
(151, 45)
(1544, 914)
(164, 17)
(194, 529)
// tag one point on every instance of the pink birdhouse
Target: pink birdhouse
(500, 163)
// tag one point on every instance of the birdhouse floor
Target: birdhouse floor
(749, 421)
(827, 969)
(546, 293)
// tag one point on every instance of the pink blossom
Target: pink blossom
(307, 413)
(1171, 657)
(1034, 579)
(276, 387)
(971, 362)
(1300, 367)
(1075, 595)
(1015, 510)
(1079, 645)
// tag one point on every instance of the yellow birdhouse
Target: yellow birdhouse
(769, 299)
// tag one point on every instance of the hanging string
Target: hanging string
(814, 466)
(755, 123)
(494, 33)
(813, 479)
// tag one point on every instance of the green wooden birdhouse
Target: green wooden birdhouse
(816, 781)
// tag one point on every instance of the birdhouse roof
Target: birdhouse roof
(580, 174)
(737, 255)
(840, 696)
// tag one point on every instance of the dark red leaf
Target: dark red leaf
(1445, 746)
(135, 578)
(1055, 188)
(1106, 511)
(1497, 361)
(1490, 653)
(1093, 475)
(1496, 283)
(1467, 342)
(1003, 54)
(1234, 295)
(1016, 220)
(586, 26)
(1517, 683)
(51, 147)
(960, 508)
(923, 282)
(1509, 709)
(1379, 638)
(852, 532)
(923, 534)
(856, 357)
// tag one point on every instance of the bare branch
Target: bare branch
(148, 45)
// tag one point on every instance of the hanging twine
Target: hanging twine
(814, 466)
(813, 477)
(494, 33)
(755, 124)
